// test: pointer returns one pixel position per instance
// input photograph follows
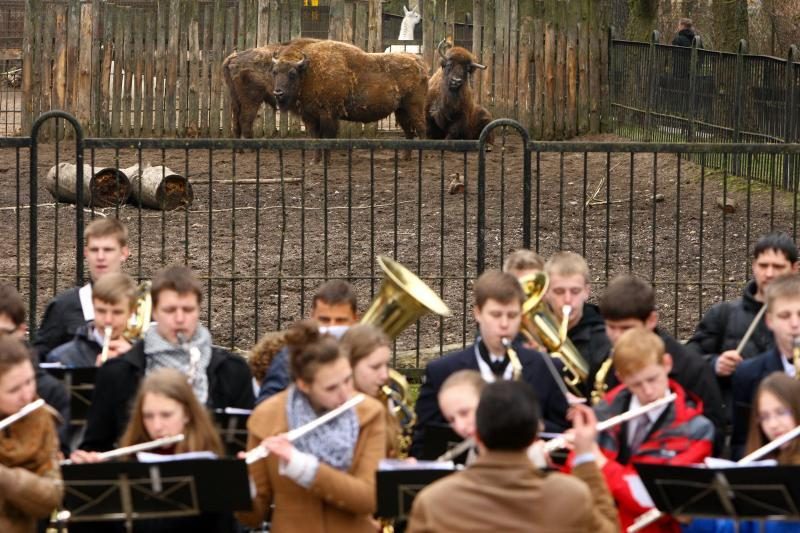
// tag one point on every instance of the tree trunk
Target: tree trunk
(643, 19)
(731, 23)
(102, 187)
(161, 188)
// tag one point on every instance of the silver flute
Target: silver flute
(128, 450)
(25, 411)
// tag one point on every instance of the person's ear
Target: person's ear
(304, 387)
(651, 321)
(667, 362)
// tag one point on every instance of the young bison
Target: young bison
(330, 81)
(451, 111)
(248, 75)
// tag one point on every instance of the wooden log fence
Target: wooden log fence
(154, 69)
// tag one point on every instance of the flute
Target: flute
(457, 450)
(128, 450)
(259, 452)
(561, 441)
(106, 342)
(26, 410)
(654, 514)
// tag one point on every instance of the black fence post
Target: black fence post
(651, 87)
(741, 50)
(34, 201)
(692, 90)
(788, 129)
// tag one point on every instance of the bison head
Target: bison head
(286, 74)
(457, 65)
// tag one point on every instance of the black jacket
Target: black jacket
(55, 395)
(229, 383)
(683, 38)
(694, 375)
(552, 403)
(723, 326)
(589, 337)
(62, 318)
(81, 351)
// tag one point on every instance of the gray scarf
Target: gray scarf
(162, 353)
(332, 443)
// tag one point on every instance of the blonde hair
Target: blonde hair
(199, 432)
(523, 259)
(471, 378)
(106, 227)
(361, 340)
(782, 287)
(567, 264)
(114, 287)
(636, 349)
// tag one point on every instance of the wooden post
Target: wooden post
(477, 40)
(561, 82)
(263, 23)
(525, 82)
(538, 92)
(28, 50)
(83, 78)
(149, 73)
(193, 93)
(217, 83)
(181, 121)
(98, 22)
(116, 69)
(171, 59)
(128, 54)
(583, 68)
(46, 101)
(487, 55)
(549, 102)
(162, 23)
(105, 72)
(138, 69)
(60, 60)
(570, 126)
(336, 24)
(429, 36)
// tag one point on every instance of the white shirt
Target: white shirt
(788, 366)
(648, 418)
(486, 371)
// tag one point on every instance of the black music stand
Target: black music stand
(398, 488)
(741, 492)
(232, 424)
(128, 491)
(79, 383)
(440, 438)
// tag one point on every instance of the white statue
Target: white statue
(410, 19)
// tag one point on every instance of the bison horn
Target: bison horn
(478, 65)
(302, 63)
(441, 45)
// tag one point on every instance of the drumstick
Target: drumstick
(751, 329)
(259, 452)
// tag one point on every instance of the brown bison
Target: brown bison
(330, 81)
(451, 111)
(248, 75)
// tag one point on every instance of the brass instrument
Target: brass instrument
(106, 343)
(539, 326)
(600, 386)
(395, 392)
(513, 358)
(796, 356)
(141, 317)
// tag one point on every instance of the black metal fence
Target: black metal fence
(267, 225)
(667, 93)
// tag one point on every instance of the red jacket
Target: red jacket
(680, 436)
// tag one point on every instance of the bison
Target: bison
(248, 75)
(451, 111)
(328, 81)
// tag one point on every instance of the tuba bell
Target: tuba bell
(539, 326)
(143, 310)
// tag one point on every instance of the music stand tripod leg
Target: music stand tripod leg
(127, 501)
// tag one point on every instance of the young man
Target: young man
(113, 299)
(719, 332)
(52, 391)
(676, 433)
(334, 306)
(569, 285)
(106, 249)
(503, 491)
(783, 319)
(630, 302)
(498, 312)
(218, 378)
(523, 262)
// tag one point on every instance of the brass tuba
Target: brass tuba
(141, 317)
(401, 300)
(539, 326)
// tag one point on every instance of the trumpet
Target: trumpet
(25, 411)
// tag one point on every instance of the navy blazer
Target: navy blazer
(552, 403)
(745, 381)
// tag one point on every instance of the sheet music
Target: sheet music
(147, 457)
(401, 464)
(639, 491)
(716, 462)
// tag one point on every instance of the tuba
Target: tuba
(539, 326)
(402, 299)
(140, 319)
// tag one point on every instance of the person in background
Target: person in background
(324, 482)
(30, 477)
(334, 306)
(106, 250)
(523, 262)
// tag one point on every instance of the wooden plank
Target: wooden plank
(116, 84)
(28, 50)
(570, 127)
(335, 21)
(193, 67)
(73, 29)
(274, 37)
(360, 25)
(59, 58)
(501, 74)
(296, 26)
(162, 23)
(604, 81)
(583, 69)
(525, 84)
(594, 81)
(127, 80)
(549, 101)
(206, 61)
(429, 37)
(109, 31)
(241, 17)
(229, 44)
(218, 28)
(138, 70)
(477, 41)
(149, 83)
(347, 21)
(182, 91)
(95, 65)
(513, 61)
(487, 55)
(48, 41)
(538, 90)
(171, 62)
(262, 37)
(83, 77)
(561, 83)
(450, 18)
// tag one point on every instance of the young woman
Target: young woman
(775, 412)
(458, 401)
(166, 406)
(30, 479)
(367, 347)
(325, 481)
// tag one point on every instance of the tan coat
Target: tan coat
(337, 501)
(504, 491)
(26, 496)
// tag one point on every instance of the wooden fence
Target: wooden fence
(154, 69)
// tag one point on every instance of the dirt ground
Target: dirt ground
(262, 246)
